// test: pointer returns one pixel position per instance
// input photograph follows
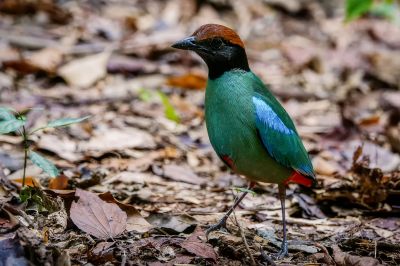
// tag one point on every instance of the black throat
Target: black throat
(218, 64)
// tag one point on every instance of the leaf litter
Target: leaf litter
(144, 151)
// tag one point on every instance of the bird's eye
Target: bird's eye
(216, 44)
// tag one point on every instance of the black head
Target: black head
(219, 46)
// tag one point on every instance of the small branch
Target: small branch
(26, 146)
(253, 262)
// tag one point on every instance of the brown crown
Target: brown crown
(209, 31)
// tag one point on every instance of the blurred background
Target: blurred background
(334, 65)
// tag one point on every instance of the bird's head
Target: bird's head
(219, 46)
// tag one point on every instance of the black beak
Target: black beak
(188, 43)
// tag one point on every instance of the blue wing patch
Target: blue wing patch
(279, 138)
(265, 114)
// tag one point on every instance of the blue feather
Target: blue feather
(278, 134)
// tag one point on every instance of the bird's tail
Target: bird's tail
(301, 179)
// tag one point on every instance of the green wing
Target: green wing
(278, 133)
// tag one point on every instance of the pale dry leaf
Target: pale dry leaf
(47, 59)
(84, 72)
(97, 217)
(182, 174)
(118, 139)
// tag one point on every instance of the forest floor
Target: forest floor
(147, 179)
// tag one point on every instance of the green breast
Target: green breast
(231, 127)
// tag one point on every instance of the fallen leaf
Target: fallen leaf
(182, 174)
(173, 223)
(60, 182)
(101, 253)
(188, 81)
(379, 157)
(63, 146)
(386, 66)
(30, 181)
(197, 247)
(345, 259)
(135, 221)
(97, 217)
(129, 65)
(323, 167)
(84, 72)
(47, 59)
(116, 139)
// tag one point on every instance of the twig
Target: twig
(26, 147)
(253, 262)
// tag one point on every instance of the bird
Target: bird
(247, 126)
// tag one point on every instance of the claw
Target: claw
(220, 225)
(283, 252)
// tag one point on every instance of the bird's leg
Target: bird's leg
(222, 222)
(284, 247)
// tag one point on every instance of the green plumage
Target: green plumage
(246, 123)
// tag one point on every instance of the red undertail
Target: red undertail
(298, 179)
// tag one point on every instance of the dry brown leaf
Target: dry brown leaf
(135, 221)
(188, 81)
(30, 181)
(102, 253)
(60, 182)
(97, 217)
(84, 72)
(202, 249)
(47, 59)
(345, 259)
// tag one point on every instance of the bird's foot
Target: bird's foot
(283, 252)
(220, 225)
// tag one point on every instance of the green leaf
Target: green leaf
(242, 189)
(357, 8)
(25, 194)
(145, 95)
(11, 125)
(169, 110)
(6, 114)
(65, 122)
(43, 163)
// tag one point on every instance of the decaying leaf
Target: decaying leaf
(135, 222)
(173, 223)
(202, 249)
(97, 217)
(345, 259)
